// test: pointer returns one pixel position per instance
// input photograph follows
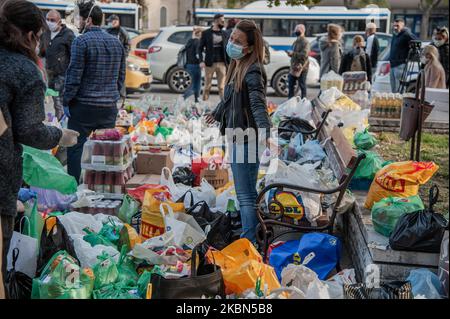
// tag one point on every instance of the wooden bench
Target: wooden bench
(344, 162)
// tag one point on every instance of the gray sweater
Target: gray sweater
(331, 55)
(22, 93)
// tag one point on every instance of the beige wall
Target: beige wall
(152, 21)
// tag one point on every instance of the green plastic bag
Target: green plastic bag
(105, 271)
(127, 269)
(35, 219)
(129, 208)
(116, 291)
(164, 131)
(143, 282)
(364, 140)
(387, 212)
(369, 166)
(43, 170)
(96, 239)
(62, 278)
(50, 92)
(111, 231)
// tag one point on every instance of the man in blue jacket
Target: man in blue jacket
(400, 42)
(94, 80)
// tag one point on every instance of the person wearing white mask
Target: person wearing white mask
(22, 89)
(440, 41)
(55, 48)
(434, 72)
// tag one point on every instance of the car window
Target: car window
(144, 44)
(180, 37)
(384, 42)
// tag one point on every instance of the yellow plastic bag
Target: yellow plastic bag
(129, 237)
(401, 179)
(241, 266)
(152, 223)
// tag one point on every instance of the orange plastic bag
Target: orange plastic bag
(401, 179)
(129, 237)
(152, 223)
(241, 266)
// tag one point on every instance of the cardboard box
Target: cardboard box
(217, 178)
(140, 179)
(153, 163)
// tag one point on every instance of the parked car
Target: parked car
(138, 75)
(139, 45)
(132, 33)
(383, 38)
(381, 79)
(163, 62)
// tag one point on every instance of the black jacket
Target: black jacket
(207, 46)
(400, 47)
(347, 60)
(444, 58)
(122, 35)
(22, 97)
(57, 51)
(247, 108)
(374, 52)
(192, 56)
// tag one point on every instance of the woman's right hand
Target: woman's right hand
(69, 138)
(209, 119)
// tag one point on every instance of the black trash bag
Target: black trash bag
(288, 128)
(420, 231)
(18, 285)
(220, 231)
(391, 290)
(184, 175)
(52, 242)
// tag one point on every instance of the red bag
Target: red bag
(139, 192)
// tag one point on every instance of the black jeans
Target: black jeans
(85, 119)
(7, 224)
(301, 80)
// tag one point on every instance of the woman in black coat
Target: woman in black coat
(357, 59)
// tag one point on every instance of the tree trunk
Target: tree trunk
(425, 24)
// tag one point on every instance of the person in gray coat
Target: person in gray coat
(331, 50)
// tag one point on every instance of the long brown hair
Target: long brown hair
(256, 43)
(17, 19)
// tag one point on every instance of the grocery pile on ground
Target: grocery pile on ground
(157, 215)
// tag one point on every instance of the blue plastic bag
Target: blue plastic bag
(311, 151)
(318, 251)
(425, 284)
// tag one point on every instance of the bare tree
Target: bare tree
(427, 6)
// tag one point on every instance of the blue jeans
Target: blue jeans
(245, 176)
(196, 76)
(301, 80)
(395, 77)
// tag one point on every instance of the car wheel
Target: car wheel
(281, 83)
(179, 80)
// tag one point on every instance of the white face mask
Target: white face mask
(439, 43)
(53, 26)
(424, 60)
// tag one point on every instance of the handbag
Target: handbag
(217, 226)
(206, 280)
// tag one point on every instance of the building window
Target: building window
(163, 17)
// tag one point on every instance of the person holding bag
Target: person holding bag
(22, 93)
(243, 117)
(299, 62)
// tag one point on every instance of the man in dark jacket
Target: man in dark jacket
(299, 62)
(213, 44)
(116, 30)
(56, 51)
(400, 44)
(372, 45)
(94, 81)
(440, 41)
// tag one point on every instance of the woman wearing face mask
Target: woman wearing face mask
(434, 72)
(357, 59)
(22, 104)
(440, 41)
(243, 117)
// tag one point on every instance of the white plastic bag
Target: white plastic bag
(74, 223)
(295, 107)
(87, 255)
(223, 198)
(186, 230)
(176, 190)
(306, 280)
